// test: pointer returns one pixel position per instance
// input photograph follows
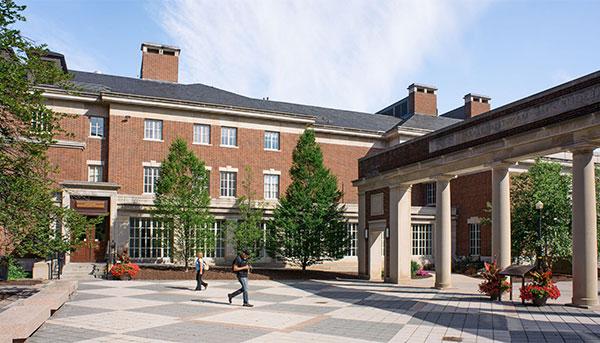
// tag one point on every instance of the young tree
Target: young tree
(182, 202)
(248, 232)
(543, 182)
(308, 224)
(28, 210)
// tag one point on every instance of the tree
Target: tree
(543, 182)
(28, 210)
(248, 232)
(308, 224)
(182, 202)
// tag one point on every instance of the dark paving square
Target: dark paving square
(85, 286)
(79, 296)
(59, 333)
(298, 309)
(391, 305)
(270, 297)
(180, 310)
(68, 310)
(169, 297)
(373, 331)
(343, 294)
(199, 332)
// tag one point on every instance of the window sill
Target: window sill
(229, 146)
(153, 140)
(227, 197)
(96, 137)
(274, 150)
(202, 144)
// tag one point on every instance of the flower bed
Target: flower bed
(494, 284)
(540, 289)
(124, 270)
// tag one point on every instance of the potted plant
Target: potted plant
(540, 289)
(494, 284)
(124, 271)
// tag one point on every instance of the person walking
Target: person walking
(241, 267)
(200, 268)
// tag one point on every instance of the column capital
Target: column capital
(500, 164)
(583, 149)
(444, 177)
(402, 186)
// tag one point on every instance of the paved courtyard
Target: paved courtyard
(308, 311)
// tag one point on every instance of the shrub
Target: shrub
(120, 269)
(15, 271)
(541, 286)
(414, 267)
(494, 284)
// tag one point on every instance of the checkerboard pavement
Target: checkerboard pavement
(301, 311)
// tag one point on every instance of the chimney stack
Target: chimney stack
(422, 99)
(476, 104)
(160, 62)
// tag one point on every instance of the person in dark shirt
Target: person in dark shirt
(241, 267)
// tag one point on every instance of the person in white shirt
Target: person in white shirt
(200, 268)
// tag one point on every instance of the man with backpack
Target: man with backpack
(201, 266)
(241, 267)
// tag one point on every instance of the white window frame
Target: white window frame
(422, 239)
(151, 175)
(96, 128)
(201, 134)
(148, 239)
(474, 225)
(430, 194)
(272, 138)
(153, 130)
(95, 172)
(352, 229)
(227, 186)
(229, 137)
(271, 191)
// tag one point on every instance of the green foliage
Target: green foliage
(543, 182)
(182, 202)
(15, 271)
(414, 267)
(308, 224)
(28, 211)
(248, 232)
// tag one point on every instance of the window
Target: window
(228, 183)
(421, 239)
(201, 134)
(430, 194)
(153, 129)
(150, 178)
(271, 140)
(219, 249)
(228, 136)
(96, 127)
(148, 239)
(39, 123)
(474, 239)
(271, 186)
(352, 229)
(94, 173)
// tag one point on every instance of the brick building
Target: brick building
(122, 127)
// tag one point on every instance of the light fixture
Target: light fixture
(539, 205)
(366, 233)
(387, 232)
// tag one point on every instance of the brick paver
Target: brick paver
(310, 311)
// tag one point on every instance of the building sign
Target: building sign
(90, 206)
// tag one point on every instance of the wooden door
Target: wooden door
(93, 245)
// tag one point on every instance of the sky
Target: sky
(348, 54)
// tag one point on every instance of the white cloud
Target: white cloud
(347, 54)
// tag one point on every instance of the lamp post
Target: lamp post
(539, 206)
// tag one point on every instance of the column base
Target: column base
(584, 303)
(443, 285)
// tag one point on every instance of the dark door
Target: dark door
(93, 244)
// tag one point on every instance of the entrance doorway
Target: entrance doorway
(95, 240)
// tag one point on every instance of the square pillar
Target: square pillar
(361, 248)
(443, 233)
(501, 240)
(585, 249)
(375, 258)
(400, 233)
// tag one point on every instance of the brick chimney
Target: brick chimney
(160, 62)
(422, 99)
(476, 104)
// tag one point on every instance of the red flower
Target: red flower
(541, 286)
(493, 284)
(120, 269)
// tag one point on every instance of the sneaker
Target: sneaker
(229, 297)
(205, 287)
(248, 305)
(198, 289)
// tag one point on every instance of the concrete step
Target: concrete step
(82, 271)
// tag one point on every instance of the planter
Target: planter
(494, 297)
(125, 277)
(539, 301)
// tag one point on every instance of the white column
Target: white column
(585, 250)
(443, 233)
(400, 229)
(361, 246)
(501, 244)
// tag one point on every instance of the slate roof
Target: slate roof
(94, 82)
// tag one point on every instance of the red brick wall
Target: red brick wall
(470, 195)
(342, 160)
(473, 108)
(160, 67)
(422, 103)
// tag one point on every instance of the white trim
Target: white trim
(95, 137)
(95, 163)
(272, 172)
(229, 146)
(59, 96)
(152, 163)
(59, 143)
(272, 149)
(341, 131)
(153, 140)
(344, 142)
(228, 169)
(208, 168)
(474, 220)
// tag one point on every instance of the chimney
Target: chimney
(422, 99)
(160, 62)
(476, 104)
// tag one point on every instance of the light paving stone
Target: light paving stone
(117, 303)
(194, 331)
(297, 336)
(115, 322)
(117, 291)
(379, 332)
(262, 319)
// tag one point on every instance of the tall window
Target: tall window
(148, 239)
(39, 123)
(228, 183)
(352, 228)
(153, 129)
(421, 239)
(271, 140)
(201, 134)
(271, 186)
(94, 173)
(96, 127)
(430, 194)
(150, 178)
(474, 239)
(219, 249)
(228, 136)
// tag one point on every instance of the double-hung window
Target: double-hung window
(271, 140)
(96, 127)
(201, 134)
(352, 239)
(430, 194)
(228, 136)
(228, 183)
(422, 239)
(153, 129)
(474, 239)
(94, 173)
(271, 186)
(150, 177)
